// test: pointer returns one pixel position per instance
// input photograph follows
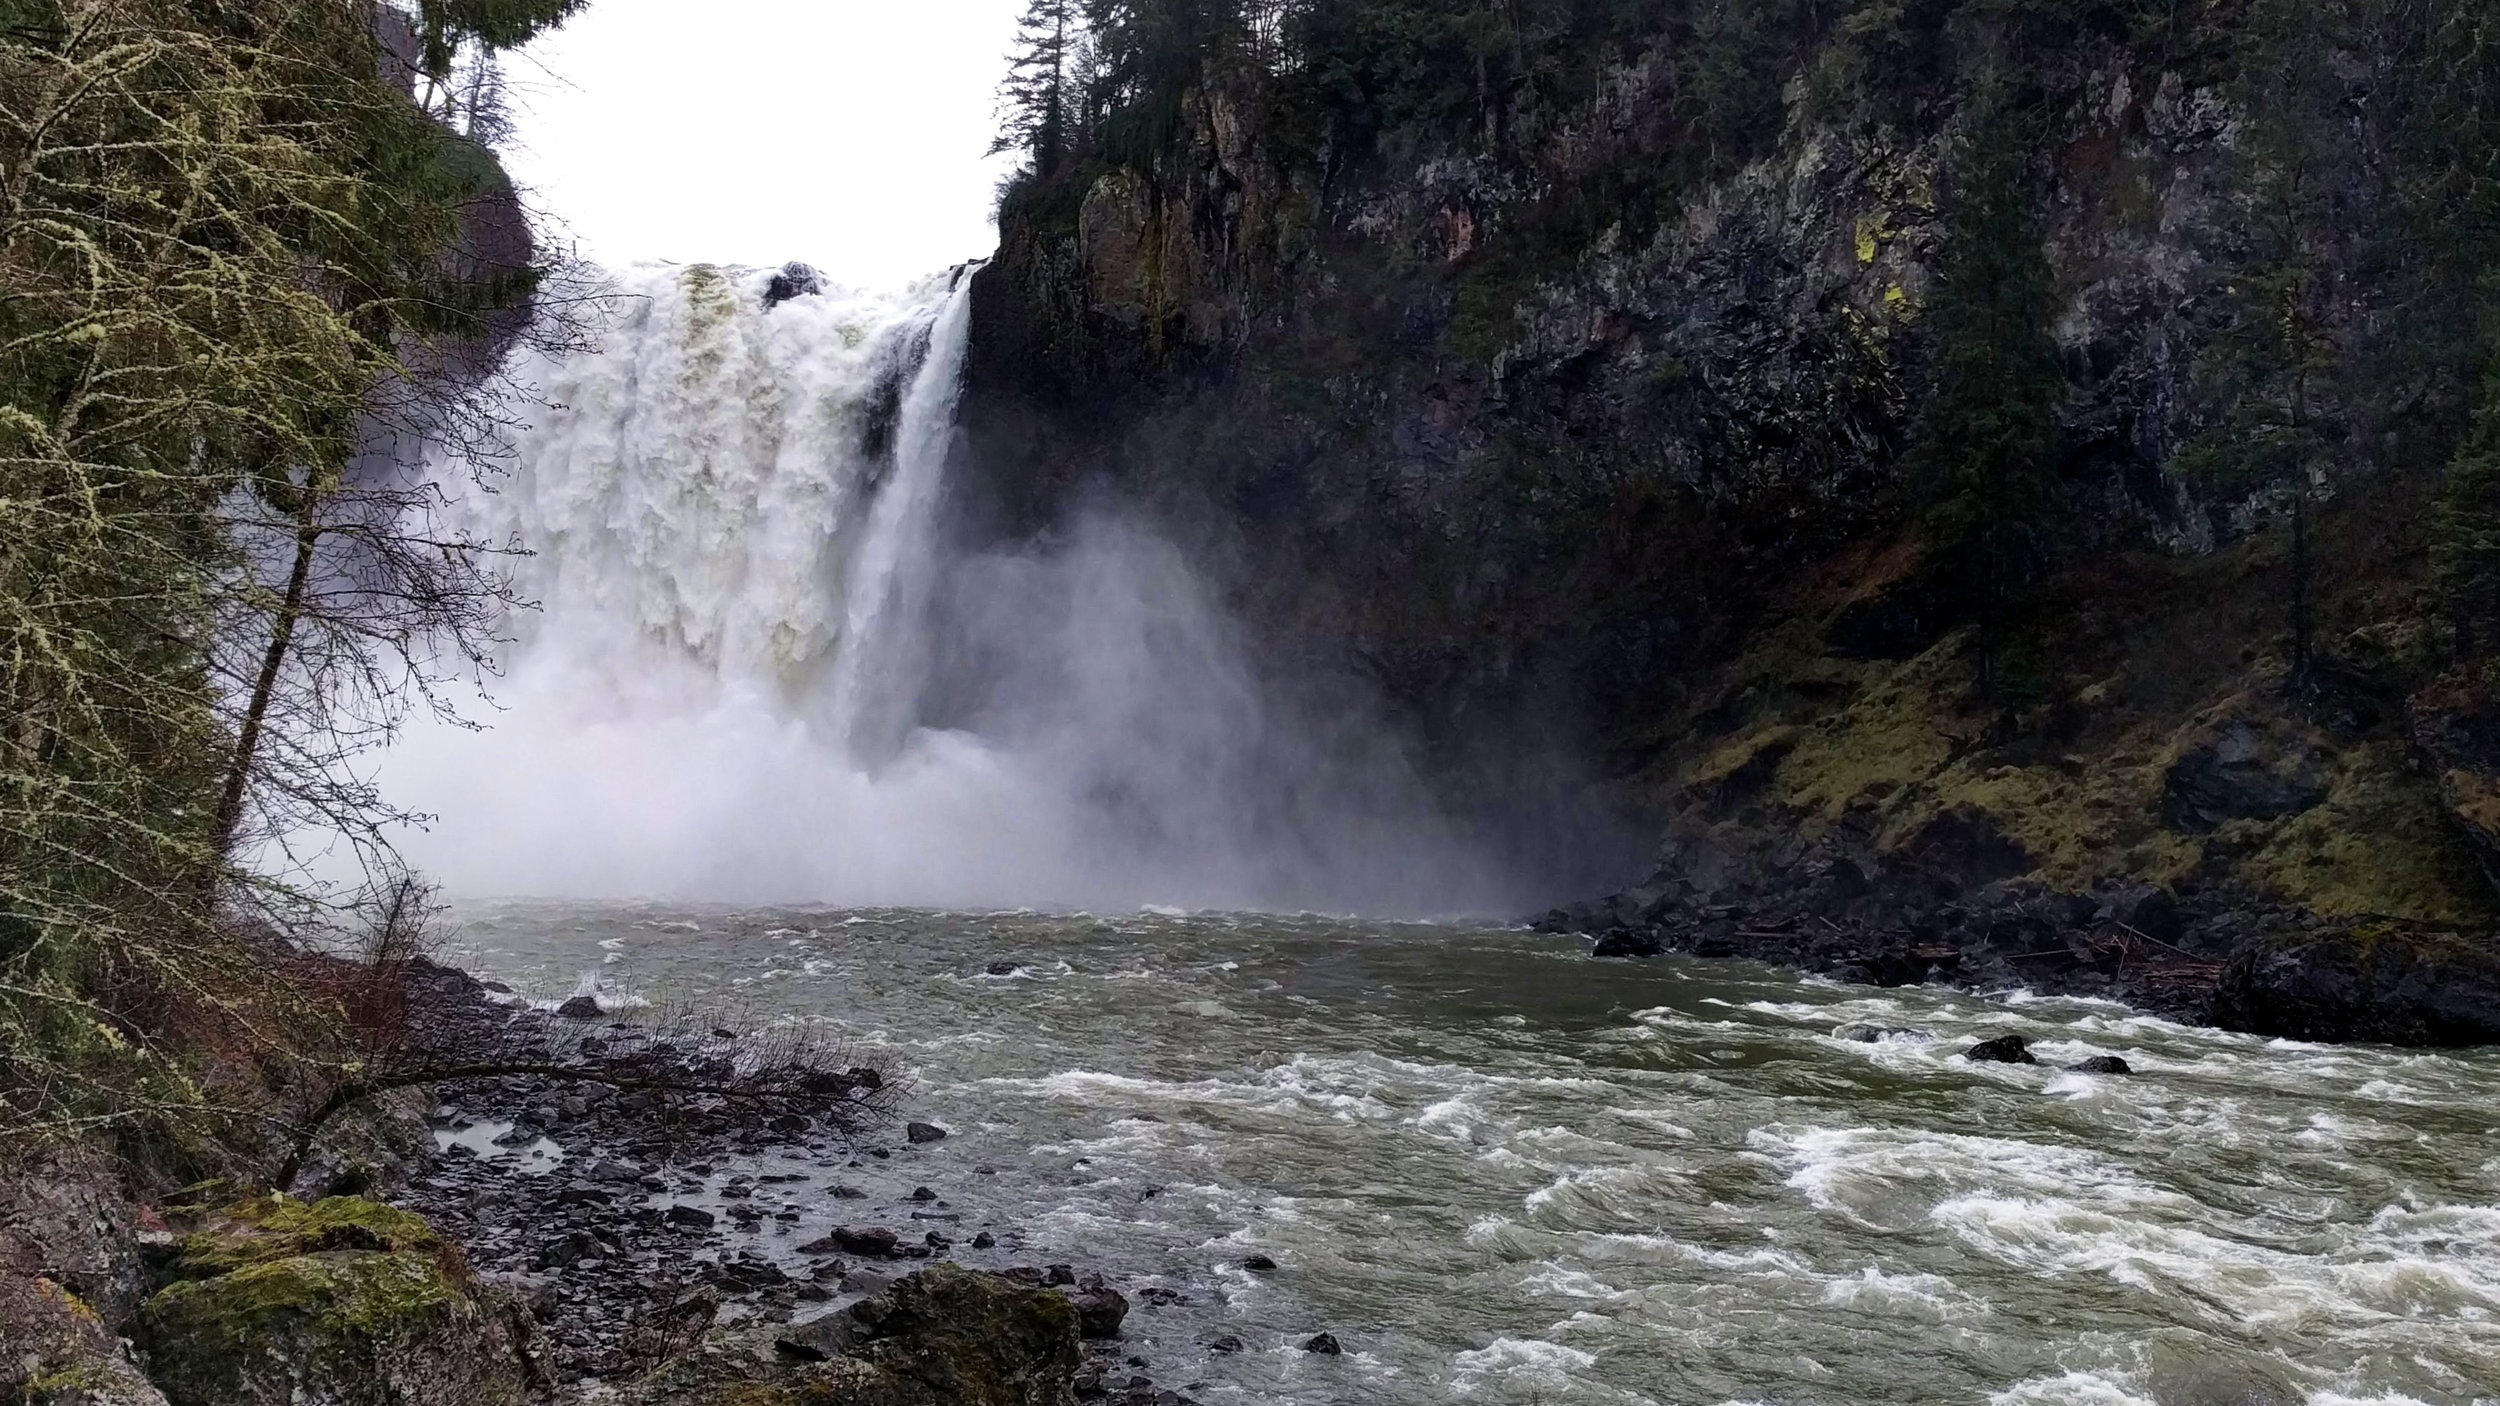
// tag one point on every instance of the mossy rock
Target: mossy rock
(267, 1228)
(945, 1336)
(55, 1351)
(341, 1302)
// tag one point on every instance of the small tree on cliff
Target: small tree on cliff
(2276, 368)
(1984, 447)
(1037, 103)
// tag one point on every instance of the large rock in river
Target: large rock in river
(945, 1336)
(337, 1302)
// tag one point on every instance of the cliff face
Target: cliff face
(1651, 467)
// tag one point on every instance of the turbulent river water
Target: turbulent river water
(1498, 1171)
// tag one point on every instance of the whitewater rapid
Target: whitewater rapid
(757, 669)
(1499, 1172)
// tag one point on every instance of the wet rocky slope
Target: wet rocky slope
(1586, 419)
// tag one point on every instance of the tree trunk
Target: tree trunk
(265, 685)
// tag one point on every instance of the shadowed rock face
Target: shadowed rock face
(943, 1336)
(1648, 487)
(2370, 983)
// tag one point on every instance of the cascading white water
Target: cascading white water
(744, 599)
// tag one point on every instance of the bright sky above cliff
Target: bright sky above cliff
(847, 133)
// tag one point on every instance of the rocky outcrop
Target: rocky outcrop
(943, 1336)
(1643, 472)
(2455, 729)
(337, 1302)
(55, 1350)
(2369, 982)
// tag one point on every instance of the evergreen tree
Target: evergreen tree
(2466, 549)
(1986, 440)
(2276, 364)
(1038, 101)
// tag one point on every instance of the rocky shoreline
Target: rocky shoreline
(1928, 913)
(573, 1218)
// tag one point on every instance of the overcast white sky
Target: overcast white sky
(846, 133)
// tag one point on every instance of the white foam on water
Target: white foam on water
(2069, 1389)
(1518, 1362)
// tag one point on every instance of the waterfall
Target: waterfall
(745, 606)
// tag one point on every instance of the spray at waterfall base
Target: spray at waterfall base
(760, 672)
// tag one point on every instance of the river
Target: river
(1498, 1171)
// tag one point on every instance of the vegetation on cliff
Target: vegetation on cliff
(1901, 408)
(241, 268)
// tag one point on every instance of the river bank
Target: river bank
(2217, 954)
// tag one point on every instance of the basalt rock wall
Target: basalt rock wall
(1645, 479)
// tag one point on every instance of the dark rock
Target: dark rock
(922, 1193)
(694, 1216)
(1323, 1343)
(2239, 775)
(2377, 982)
(2004, 1049)
(1226, 1343)
(924, 1132)
(1005, 968)
(795, 280)
(2100, 1064)
(984, 1241)
(2149, 911)
(1624, 942)
(579, 1008)
(1966, 846)
(944, 1336)
(1059, 1274)
(1873, 1034)
(861, 1240)
(2454, 726)
(1259, 1264)
(1099, 1309)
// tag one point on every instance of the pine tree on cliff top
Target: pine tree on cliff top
(1035, 101)
(1984, 448)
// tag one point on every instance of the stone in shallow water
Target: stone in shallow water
(1324, 1344)
(1623, 942)
(2004, 1049)
(924, 1132)
(1874, 1034)
(2100, 1064)
(580, 1008)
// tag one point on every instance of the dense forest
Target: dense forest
(249, 256)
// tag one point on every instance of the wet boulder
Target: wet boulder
(2004, 1049)
(579, 1008)
(1626, 942)
(1100, 1309)
(794, 280)
(944, 1336)
(923, 1132)
(338, 1302)
(2100, 1064)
